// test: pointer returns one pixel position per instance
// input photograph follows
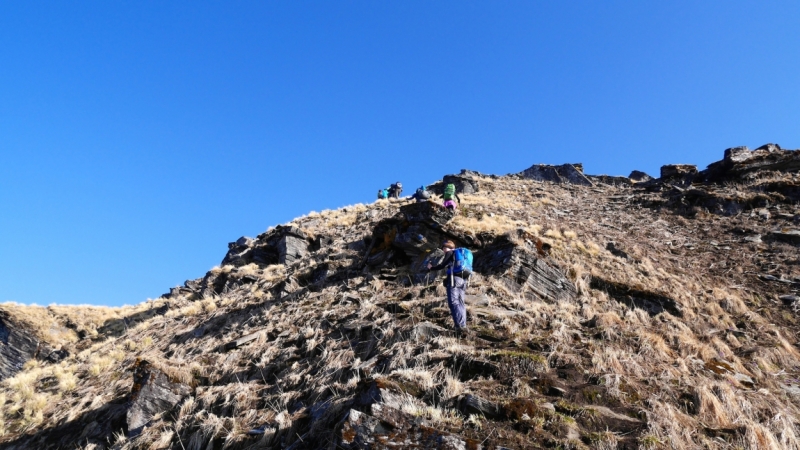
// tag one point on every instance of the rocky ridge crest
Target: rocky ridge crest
(608, 312)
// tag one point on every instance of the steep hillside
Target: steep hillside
(607, 312)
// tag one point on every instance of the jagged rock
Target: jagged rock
(17, 346)
(611, 180)
(292, 245)
(153, 393)
(739, 162)
(737, 154)
(678, 171)
(239, 252)
(565, 173)
(431, 213)
(465, 184)
(523, 267)
(639, 176)
(789, 300)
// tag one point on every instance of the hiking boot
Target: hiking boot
(463, 333)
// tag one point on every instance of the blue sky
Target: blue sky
(138, 138)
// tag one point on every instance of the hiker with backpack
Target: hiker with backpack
(449, 195)
(422, 195)
(383, 194)
(458, 262)
(395, 190)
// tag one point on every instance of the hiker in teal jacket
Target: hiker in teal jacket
(456, 288)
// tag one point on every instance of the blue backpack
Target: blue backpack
(383, 193)
(462, 262)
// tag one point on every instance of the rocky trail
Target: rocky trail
(605, 312)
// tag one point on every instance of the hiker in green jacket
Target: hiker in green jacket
(448, 196)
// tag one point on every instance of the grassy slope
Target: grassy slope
(652, 368)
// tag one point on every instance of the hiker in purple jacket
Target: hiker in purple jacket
(456, 289)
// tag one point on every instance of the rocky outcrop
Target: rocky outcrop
(153, 393)
(17, 346)
(639, 176)
(739, 162)
(522, 266)
(465, 183)
(281, 245)
(565, 173)
(672, 171)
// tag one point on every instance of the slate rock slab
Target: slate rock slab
(153, 393)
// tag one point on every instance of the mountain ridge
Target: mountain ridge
(608, 313)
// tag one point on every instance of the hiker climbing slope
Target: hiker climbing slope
(448, 196)
(458, 262)
(395, 190)
(422, 195)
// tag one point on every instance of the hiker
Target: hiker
(449, 195)
(459, 267)
(383, 194)
(395, 190)
(422, 195)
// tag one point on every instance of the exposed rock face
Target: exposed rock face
(639, 176)
(740, 161)
(565, 173)
(16, 347)
(282, 245)
(678, 171)
(523, 267)
(153, 393)
(466, 184)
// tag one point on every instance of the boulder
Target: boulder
(291, 248)
(465, 184)
(737, 154)
(639, 176)
(152, 393)
(565, 173)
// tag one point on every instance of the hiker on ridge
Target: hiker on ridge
(422, 195)
(449, 195)
(395, 190)
(459, 268)
(383, 194)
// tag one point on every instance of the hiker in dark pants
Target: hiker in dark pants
(395, 190)
(456, 288)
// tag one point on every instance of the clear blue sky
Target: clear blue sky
(138, 138)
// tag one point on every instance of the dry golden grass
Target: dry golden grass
(642, 362)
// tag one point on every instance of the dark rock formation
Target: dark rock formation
(565, 173)
(678, 171)
(639, 176)
(465, 184)
(17, 346)
(739, 162)
(153, 393)
(522, 266)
